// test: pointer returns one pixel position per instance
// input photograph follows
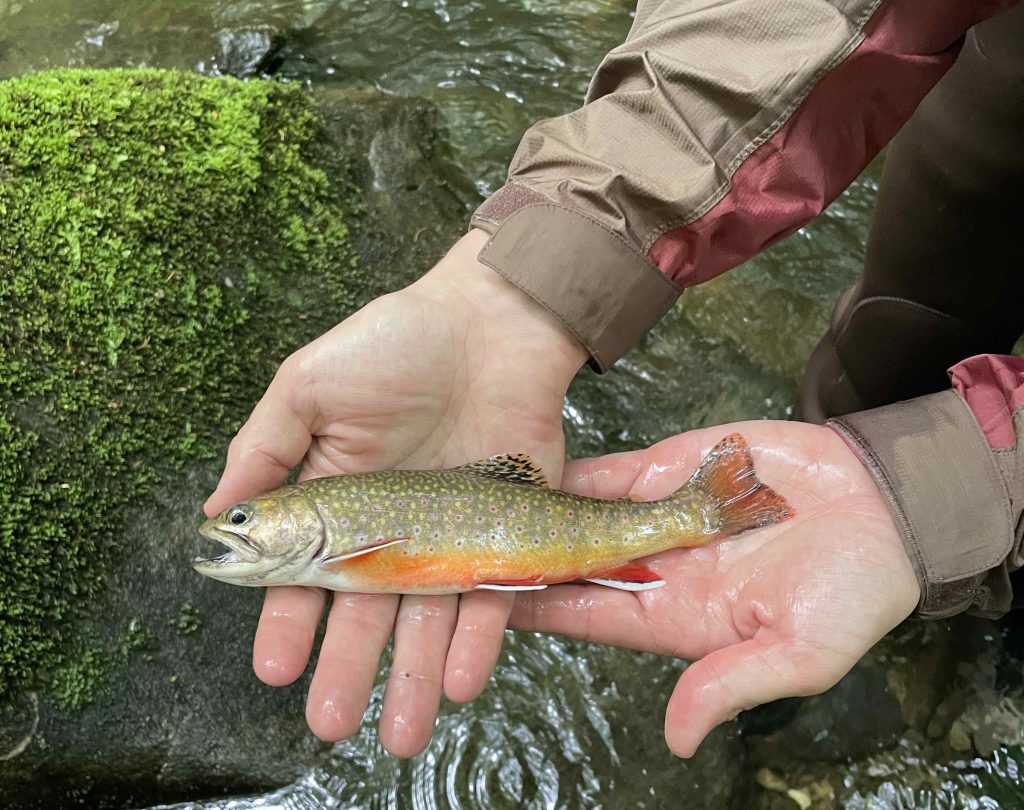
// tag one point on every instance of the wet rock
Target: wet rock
(171, 708)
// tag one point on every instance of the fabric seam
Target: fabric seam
(766, 133)
(648, 264)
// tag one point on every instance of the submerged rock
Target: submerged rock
(167, 240)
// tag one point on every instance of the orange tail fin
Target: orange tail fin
(727, 478)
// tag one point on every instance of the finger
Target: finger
(423, 632)
(722, 684)
(586, 612)
(273, 441)
(648, 474)
(476, 645)
(661, 469)
(284, 636)
(358, 629)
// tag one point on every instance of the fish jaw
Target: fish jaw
(243, 564)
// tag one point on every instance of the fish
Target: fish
(493, 524)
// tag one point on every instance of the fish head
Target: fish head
(270, 539)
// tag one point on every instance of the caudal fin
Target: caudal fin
(727, 477)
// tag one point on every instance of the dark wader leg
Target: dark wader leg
(944, 276)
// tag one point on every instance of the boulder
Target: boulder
(167, 240)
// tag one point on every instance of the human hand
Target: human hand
(783, 611)
(457, 367)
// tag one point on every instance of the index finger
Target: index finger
(273, 441)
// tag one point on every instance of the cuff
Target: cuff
(602, 290)
(935, 469)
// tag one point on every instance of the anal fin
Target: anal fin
(628, 577)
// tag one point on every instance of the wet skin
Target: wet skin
(783, 611)
(462, 366)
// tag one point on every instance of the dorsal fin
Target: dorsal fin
(516, 468)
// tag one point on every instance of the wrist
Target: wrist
(515, 321)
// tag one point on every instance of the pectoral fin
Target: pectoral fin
(629, 577)
(328, 562)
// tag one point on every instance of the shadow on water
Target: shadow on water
(934, 716)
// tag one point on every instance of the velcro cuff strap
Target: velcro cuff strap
(936, 470)
(602, 289)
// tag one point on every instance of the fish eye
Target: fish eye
(239, 515)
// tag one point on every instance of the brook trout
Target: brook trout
(494, 524)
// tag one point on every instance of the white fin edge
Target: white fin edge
(627, 586)
(360, 552)
(510, 587)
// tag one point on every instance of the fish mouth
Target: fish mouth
(241, 553)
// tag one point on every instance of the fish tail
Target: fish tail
(727, 479)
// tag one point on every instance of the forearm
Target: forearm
(713, 131)
(951, 467)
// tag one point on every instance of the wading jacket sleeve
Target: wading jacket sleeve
(715, 130)
(951, 466)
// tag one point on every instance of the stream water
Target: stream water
(567, 724)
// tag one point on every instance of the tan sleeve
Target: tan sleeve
(713, 131)
(956, 500)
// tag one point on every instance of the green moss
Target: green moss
(187, 621)
(162, 235)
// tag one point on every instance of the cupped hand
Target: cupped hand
(778, 612)
(434, 375)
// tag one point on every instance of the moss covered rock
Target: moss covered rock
(162, 236)
(141, 325)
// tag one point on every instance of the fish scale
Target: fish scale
(492, 524)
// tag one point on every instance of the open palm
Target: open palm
(782, 611)
(431, 376)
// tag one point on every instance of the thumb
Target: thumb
(722, 684)
(273, 440)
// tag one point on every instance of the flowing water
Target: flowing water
(567, 724)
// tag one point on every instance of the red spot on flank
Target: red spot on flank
(494, 508)
(597, 542)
